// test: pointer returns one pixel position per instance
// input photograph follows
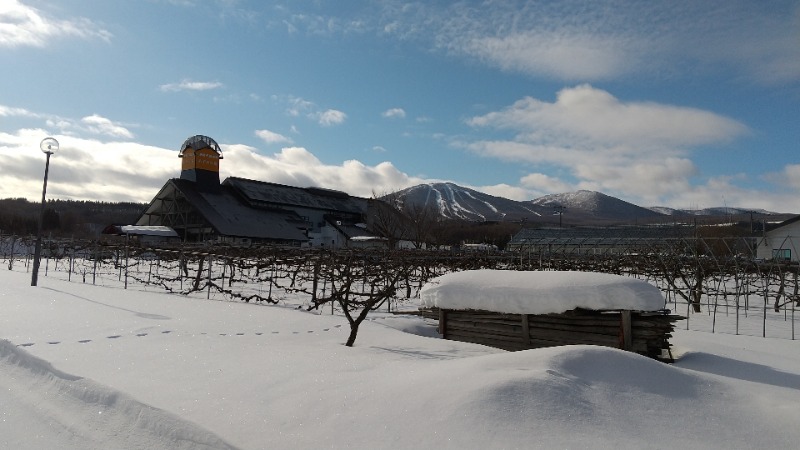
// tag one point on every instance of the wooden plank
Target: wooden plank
(611, 329)
(497, 343)
(627, 335)
(488, 329)
(468, 318)
(500, 337)
(526, 330)
(641, 333)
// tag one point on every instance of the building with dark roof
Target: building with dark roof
(240, 211)
(781, 241)
(595, 240)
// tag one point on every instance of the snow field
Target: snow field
(258, 376)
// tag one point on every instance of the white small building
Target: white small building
(781, 242)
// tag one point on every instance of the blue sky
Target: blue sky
(683, 103)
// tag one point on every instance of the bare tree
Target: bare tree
(385, 218)
(359, 283)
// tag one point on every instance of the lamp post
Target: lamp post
(48, 146)
(559, 209)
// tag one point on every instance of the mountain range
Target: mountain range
(583, 207)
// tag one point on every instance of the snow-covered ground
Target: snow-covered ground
(88, 367)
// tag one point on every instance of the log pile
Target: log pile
(646, 333)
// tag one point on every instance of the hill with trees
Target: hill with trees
(65, 217)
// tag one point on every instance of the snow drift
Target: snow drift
(73, 412)
(530, 292)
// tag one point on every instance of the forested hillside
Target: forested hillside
(65, 217)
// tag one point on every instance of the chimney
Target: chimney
(200, 164)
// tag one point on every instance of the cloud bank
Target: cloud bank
(639, 150)
(25, 26)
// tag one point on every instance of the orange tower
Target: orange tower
(201, 156)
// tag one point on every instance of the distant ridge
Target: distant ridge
(596, 206)
(583, 207)
(717, 211)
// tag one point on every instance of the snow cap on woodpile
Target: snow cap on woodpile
(523, 292)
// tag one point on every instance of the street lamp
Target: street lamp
(48, 146)
(559, 209)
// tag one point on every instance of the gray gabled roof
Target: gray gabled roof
(775, 226)
(229, 216)
(260, 193)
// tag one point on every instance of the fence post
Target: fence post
(127, 245)
(314, 283)
(11, 258)
(208, 290)
(70, 261)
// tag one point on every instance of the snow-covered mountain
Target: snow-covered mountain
(593, 206)
(456, 202)
(577, 208)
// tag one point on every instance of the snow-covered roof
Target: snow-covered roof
(148, 230)
(522, 292)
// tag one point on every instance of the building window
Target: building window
(782, 254)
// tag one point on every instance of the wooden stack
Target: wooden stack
(646, 333)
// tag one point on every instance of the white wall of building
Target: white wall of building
(781, 243)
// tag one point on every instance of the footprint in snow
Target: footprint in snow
(240, 334)
(141, 334)
(114, 336)
(166, 332)
(27, 344)
(84, 341)
(54, 342)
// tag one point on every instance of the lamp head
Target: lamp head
(49, 145)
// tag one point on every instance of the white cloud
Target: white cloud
(297, 106)
(639, 150)
(330, 117)
(587, 40)
(94, 124)
(84, 168)
(7, 111)
(100, 125)
(788, 177)
(92, 169)
(296, 166)
(189, 85)
(517, 193)
(544, 184)
(25, 26)
(584, 113)
(394, 113)
(568, 56)
(270, 137)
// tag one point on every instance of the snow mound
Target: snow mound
(558, 397)
(538, 292)
(82, 414)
